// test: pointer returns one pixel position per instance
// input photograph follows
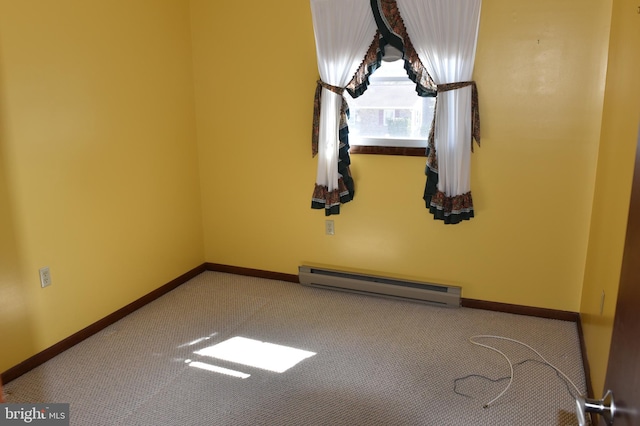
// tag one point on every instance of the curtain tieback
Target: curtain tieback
(475, 110)
(335, 89)
(316, 113)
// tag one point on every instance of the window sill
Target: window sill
(388, 150)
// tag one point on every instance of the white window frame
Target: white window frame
(387, 142)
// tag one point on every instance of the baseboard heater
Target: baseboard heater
(375, 285)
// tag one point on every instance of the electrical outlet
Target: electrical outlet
(329, 228)
(45, 277)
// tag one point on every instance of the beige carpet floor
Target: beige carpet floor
(375, 361)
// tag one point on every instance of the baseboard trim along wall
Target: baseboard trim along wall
(521, 310)
(467, 303)
(52, 351)
(258, 273)
(94, 328)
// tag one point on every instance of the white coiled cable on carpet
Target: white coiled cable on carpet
(485, 336)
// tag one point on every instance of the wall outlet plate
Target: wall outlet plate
(329, 228)
(45, 277)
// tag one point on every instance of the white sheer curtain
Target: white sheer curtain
(343, 29)
(444, 34)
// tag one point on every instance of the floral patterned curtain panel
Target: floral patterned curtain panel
(343, 31)
(445, 34)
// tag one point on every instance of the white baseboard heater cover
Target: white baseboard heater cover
(375, 285)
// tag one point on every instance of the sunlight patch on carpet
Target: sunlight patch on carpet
(200, 340)
(216, 369)
(254, 353)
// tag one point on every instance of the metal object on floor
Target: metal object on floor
(605, 407)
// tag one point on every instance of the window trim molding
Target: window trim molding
(388, 150)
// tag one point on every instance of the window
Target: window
(390, 118)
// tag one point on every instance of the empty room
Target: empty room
(178, 211)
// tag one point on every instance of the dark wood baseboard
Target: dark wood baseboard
(467, 303)
(74, 339)
(585, 364)
(258, 273)
(521, 310)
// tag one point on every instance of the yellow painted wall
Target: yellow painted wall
(106, 155)
(98, 162)
(620, 126)
(15, 312)
(540, 69)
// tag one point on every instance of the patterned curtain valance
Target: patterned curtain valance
(391, 32)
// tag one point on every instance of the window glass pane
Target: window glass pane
(390, 113)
